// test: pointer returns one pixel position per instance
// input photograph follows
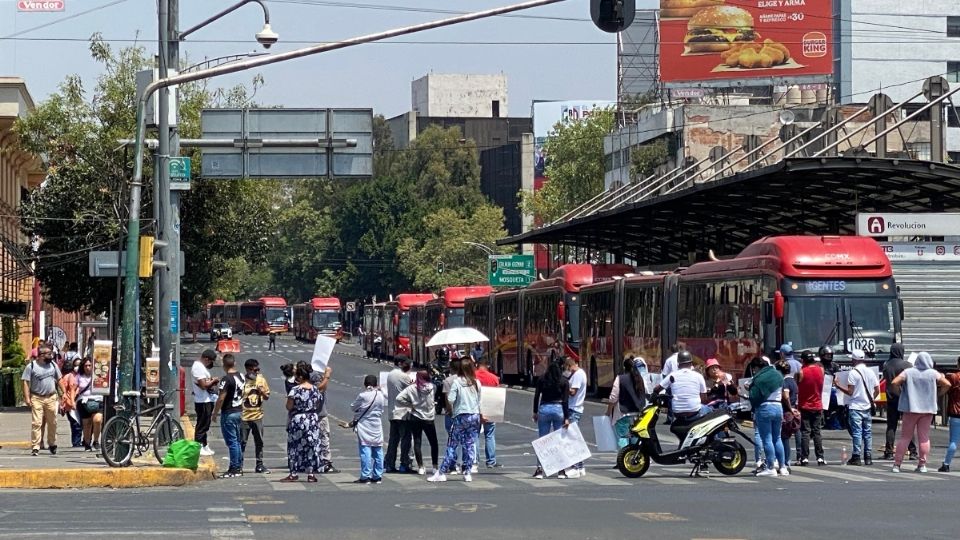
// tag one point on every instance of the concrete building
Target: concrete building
(19, 173)
(460, 95)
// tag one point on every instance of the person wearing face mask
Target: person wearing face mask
(68, 402)
(255, 392)
(41, 380)
(89, 406)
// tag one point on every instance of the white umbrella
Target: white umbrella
(456, 336)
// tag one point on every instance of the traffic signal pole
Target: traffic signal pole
(130, 311)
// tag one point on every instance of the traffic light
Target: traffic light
(146, 262)
(439, 267)
(612, 15)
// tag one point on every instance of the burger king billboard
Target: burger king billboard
(742, 39)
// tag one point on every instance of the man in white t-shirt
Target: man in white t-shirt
(204, 397)
(670, 364)
(863, 386)
(688, 390)
(578, 393)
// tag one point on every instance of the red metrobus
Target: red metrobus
(212, 312)
(319, 316)
(437, 314)
(373, 329)
(395, 324)
(274, 316)
(806, 290)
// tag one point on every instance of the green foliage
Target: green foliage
(13, 353)
(575, 167)
(645, 159)
(443, 169)
(443, 237)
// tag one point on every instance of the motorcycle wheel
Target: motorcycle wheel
(632, 461)
(734, 464)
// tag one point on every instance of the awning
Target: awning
(795, 196)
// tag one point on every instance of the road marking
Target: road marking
(656, 516)
(224, 509)
(273, 518)
(666, 480)
(227, 519)
(525, 478)
(462, 507)
(732, 480)
(284, 486)
(600, 480)
(408, 481)
(481, 484)
(837, 475)
(231, 533)
(264, 502)
(344, 481)
(909, 475)
(795, 477)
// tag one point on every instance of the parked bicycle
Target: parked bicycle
(122, 434)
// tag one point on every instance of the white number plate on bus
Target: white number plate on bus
(864, 344)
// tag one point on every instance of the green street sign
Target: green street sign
(179, 169)
(511, 270)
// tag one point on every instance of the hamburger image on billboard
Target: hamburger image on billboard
(736, 39)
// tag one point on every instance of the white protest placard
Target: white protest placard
(561, 449)
(842, 381)
(493, 401)
(606, 438)
(321, 353)
(743, 389)
(383, 380)
(827, 391)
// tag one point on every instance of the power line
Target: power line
(62, 19)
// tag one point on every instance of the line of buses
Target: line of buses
(806, 290)
(270, 314)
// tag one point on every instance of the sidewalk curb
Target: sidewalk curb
(105, 477)
(15, 444)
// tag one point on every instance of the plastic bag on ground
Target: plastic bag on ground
(183, 454)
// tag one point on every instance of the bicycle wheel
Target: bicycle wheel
(117, 441)
(167, 431)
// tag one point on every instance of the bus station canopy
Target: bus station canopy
(794, 196)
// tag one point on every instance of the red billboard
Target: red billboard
(741, 39)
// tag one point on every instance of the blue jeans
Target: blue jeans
(489, 443)
(230, 429)
(954, 440)
(575, 418)
(861, 429)
(550, 418)
(371, 462)
(757, 443)
(769, 418)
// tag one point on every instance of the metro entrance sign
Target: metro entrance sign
(921, 224)
(511, 270)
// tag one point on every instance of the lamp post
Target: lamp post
(478, 245)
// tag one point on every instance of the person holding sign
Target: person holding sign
(551, 408)
(419, 399)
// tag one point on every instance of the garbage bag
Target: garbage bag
(183, 454)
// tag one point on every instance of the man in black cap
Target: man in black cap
(204, 397)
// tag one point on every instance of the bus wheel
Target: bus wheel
(594, 385)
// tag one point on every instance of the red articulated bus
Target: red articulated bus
(396, 324)
(319, 316)
(273, 315)
(373, 329)
(441, 313)
(809, 291)
(212, 312)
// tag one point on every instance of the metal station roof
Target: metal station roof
(795, 196)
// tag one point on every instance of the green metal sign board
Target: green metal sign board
(511, 270)
(179, 168)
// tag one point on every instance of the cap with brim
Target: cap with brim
(857, 354)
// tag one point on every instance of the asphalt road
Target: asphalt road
(831, 502)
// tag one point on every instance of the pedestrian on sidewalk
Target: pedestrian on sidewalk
(862, 388)
(367, 413)
(68, 401)
(256, 391)
(230, 407)
(321, 380)
(919, 386)
(810, 403)
(303, 433)
(204, 397)
(486, 378)
(953, 411)
(41, 382)
(273, 341)
(89, 406)
(766, 395)
(463, 401)
(551, 406)
(397, 380)
(420, 398)
(893, 367)
(577, 395)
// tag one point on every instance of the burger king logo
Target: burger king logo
(814, 44)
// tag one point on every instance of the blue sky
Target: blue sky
(581, 66)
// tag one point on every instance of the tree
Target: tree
(645, 159)
(442, 238)
(443, 167)
(575, 168)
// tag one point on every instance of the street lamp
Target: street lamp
(265, 36)
(480, 246)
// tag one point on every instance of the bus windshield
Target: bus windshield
(276, 315)
(404, 329)
(842, 322)
(454, 317)
(326, 319)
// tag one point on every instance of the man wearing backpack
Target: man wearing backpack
(230, 406)
(41, 381)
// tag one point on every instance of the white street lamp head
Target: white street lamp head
(267, 36)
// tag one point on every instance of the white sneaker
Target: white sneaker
(206, 451)
(767, 472)
(573, 473)
(922, 469)
(784, 471)
(895, 469)
(475, 469)
(421, 471)
(437, 477)
(467, 477)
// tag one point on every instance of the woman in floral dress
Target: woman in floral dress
(303, 429)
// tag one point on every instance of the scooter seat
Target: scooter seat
(681, 426)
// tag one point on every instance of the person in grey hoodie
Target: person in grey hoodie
(367, 412)
(891, 368)
(419, 399)
(917, 386)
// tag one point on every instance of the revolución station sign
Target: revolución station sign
(893, 224)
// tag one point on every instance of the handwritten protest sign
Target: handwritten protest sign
(827, 391)
(561, 449)
(383, 380)
(493, 401)
(322, 351)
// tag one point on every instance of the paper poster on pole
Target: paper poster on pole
(102, 350)
(383, 380)
(606, 438)
(743, 389)
(493, 401)
(827, 391)
(842, 381)
(322, 351)
(561, 449)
